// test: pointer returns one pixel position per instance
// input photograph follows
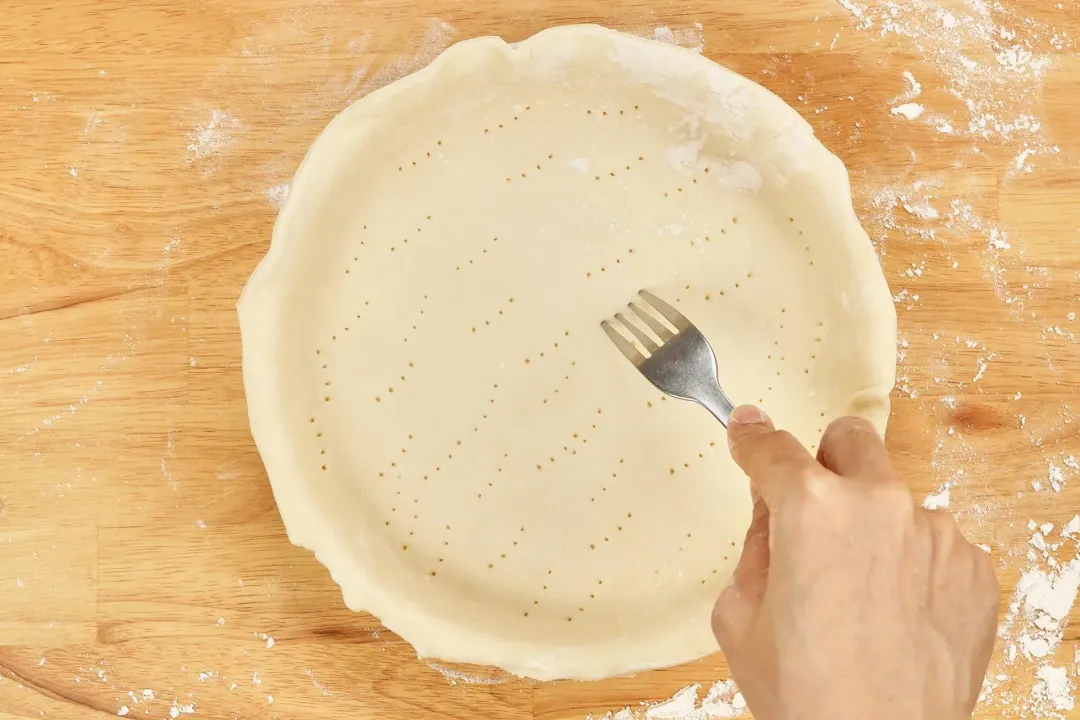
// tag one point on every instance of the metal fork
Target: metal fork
(682, 364)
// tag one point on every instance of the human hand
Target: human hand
(849, 601)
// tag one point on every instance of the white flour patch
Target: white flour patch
(454, 677)
(437, 38)
(739, 175)
(915, 199)
(580, 165)
(922, 209)
(723, 700)
(691, 37)
(909, 110)
(213, 138)
(170, 453)
(938, 500)
(1055, 477)
(1034, 628)
(177, 710)
(1054, 690)
(981, 365)
(277, 195)
(913, 90)
(678, 706)
(683, 157)
(173, 247)
(93, 121)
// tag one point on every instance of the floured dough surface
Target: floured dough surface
(442, 419)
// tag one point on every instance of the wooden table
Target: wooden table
(145, 146)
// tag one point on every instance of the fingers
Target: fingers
(770, 458)
(852, 447)
(739, 602)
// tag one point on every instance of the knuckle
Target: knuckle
(890, 505)
(811, 487)
(892, 495)
(819, 501)
(847, 428)
(898, 494)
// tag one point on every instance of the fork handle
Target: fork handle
(715, 401)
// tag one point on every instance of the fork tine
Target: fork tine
(642, 336)
(655, 325)
(675, 317)
(625, 346)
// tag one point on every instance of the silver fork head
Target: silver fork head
(665, 334)
(678, 359)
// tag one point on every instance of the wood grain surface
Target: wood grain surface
(145, 144)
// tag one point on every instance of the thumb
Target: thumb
(771, 458)
(739, 602)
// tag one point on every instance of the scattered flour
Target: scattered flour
(723, 700)
(580, 165)
(318, 686)
(989, 56)
(1055, 476)
(914, 89)
(176, 710)
(455, 677)
(437, 38)
(1054, 689)
(1034, 628)
(915, 198)
(923, 210)
(692, 38)
(938, 500)
(909, 110)
(213, 138)
(277, 195)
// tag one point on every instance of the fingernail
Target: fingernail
(749, 415)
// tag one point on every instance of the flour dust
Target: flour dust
(723, 700)
(990, 58)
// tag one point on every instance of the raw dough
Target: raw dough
(443, 421)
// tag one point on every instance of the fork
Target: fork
(682, 364)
